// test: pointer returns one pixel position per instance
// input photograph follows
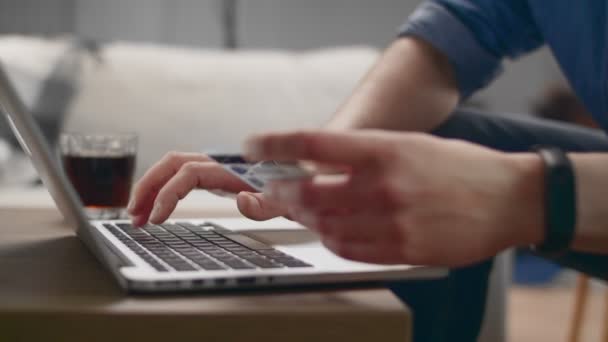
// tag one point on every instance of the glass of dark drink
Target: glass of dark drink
(100, 167)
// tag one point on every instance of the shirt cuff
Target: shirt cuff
(475, 67)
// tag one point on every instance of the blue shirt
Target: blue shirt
(477, 35)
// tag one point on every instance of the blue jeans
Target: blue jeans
(452, 309)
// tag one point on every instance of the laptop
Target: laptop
(196, 254)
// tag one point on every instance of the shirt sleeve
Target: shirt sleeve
(475, 35)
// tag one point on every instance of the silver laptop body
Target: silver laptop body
(232, 253)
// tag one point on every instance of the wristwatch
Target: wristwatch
(560, 201)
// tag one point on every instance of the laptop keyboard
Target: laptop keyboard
(188, 247)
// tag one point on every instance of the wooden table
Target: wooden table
(52, 289)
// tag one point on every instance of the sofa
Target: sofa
(183, 99)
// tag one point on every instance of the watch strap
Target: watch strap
(560, 201)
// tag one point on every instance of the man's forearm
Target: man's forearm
(411, 88)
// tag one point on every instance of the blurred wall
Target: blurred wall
(296, 24)
(37, 16)
(283, 24)
(179, 22)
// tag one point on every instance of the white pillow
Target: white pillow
(28, 61)
(194, 100)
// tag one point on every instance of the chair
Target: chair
(580, 304)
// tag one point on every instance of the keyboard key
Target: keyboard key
(210, 266)
(189, 225)
(263, 262)
(217, 229)
(221, 255)
(202, 244)
(183, 267)
(206, 234)
(227, 244)
(237, 264)
(183, 233)
(184, 249)
(293, 263)
(172, 227)
(192, 238)
(284, 259)
(197, 229)
(206, 262)
(124, 226)
(245, 253)
(248, 242)
(273, 253)
(177, 244)
(158, 266)
(166, 237)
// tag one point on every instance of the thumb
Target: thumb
(258, 207)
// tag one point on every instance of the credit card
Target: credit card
(257, 175)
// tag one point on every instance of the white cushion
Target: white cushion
(195, 100)
(191, 99)
(28, 61)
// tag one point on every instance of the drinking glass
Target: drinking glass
(100, 167)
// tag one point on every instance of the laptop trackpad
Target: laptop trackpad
(286, 237)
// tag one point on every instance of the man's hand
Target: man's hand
(409, 197)
(156, 195)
